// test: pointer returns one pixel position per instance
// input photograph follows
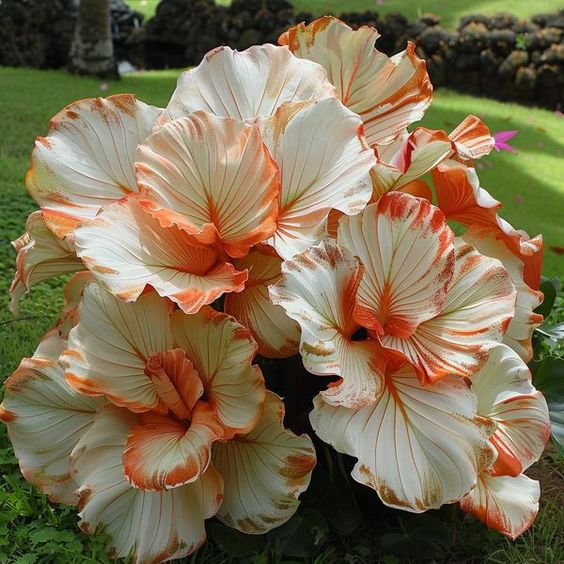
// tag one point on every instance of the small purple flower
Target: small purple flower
(500, 139)
(103, 87)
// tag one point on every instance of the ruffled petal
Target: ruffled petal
(324, 164)
(472, 138)
(388, 93)
(222, 351)
(480, 304)
(86, 160)
(109, 348)
(145, 526)
(418, 446)
(160, 453)
(214, 178)
(520, 330)
(504, 503)
(127, 249)
(318, 290)
(41, 255)
(407, 251)
(461, 198)
(407, 158)
(264, 471)
(45, 419)
(506, 395)
(276, 334)
(247, 84)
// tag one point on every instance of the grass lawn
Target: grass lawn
(529, 184)
(449, 10)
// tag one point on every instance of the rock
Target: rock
(473, 38)
(502, 41)
(509, 67)
(435, 39)
(473, 19)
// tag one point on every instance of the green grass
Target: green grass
(449, 10)
(30, 528)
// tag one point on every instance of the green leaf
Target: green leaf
(234, 543)
(303, 535)
(550, 288)
(422, 536)
(340, 505)
(549, 379)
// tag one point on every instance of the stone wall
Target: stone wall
(498, 56)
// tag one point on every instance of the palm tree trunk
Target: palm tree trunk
(92, 50)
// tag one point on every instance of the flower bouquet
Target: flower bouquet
(279, 205)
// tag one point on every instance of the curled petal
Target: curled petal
(41, 255)
(160, 453)
(472, 138)
(418, 446)
(324, 164)
(318, 290)
(407, 251)
(144, 526)
(45, 419)
(479, 306)
(504, 503)
(520, 330)
(214, 178)
(109, 348)
(276, 334)
(264, 471)
(127, 249)
(72, 294)
(222, 351)
(247, 84)
(388, 93)
(506, 396)
(86, 160)
(461, 198)
(407, 158)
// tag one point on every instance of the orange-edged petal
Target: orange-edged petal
(222, 352)
(86, 160)
(504, 503)
(40, 256)
(324, 164)
(388, 93)
(214, 178)
(276, 334)
(479, 306)
(318, 290)
(161, 453)
(127, 249)
(461, 198)
(507, 397)
(143, 526)
(407, 251)
(247, 84)
(109, 348)
(520, 330)
(418, 446)
(45, 418)
(472, 138)
(264, 472)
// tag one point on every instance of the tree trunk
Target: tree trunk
(92, 50)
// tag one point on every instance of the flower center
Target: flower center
(176, 382)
